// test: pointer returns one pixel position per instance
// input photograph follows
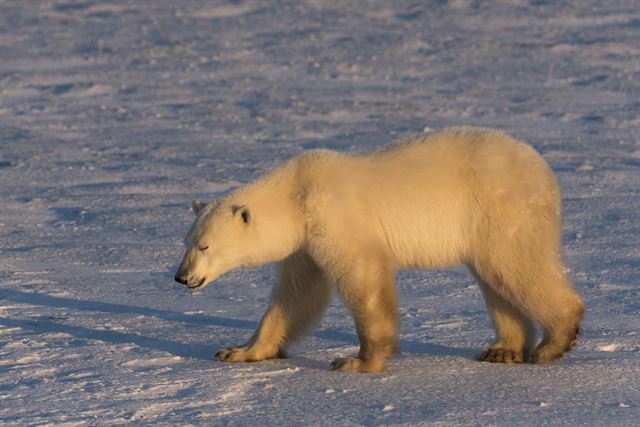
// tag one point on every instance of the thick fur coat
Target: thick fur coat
(461, 196)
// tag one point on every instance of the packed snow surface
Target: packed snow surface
(114, 115)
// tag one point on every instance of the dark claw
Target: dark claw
(338, 363)
(223, 354)
(499, 355)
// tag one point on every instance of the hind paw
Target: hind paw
(546, 354)
(550, 350)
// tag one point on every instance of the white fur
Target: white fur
(462, 196)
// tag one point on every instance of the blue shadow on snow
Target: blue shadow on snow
(179, 349)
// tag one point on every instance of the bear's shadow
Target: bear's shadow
(46, 324)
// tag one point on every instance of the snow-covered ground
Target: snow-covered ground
(115, 115)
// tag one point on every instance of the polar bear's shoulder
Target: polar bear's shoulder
(314, 159)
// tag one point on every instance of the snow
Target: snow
(115, 115)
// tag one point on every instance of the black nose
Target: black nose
(182, 280)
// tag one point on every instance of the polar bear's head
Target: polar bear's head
(220, 239)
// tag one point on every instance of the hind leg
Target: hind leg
(515, 332)
(298, 301)
(552, 302)
(560, 321)
(545, 295)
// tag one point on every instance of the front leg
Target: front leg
(248, 353)
(370, 293)
(266, 342)
(297, 302)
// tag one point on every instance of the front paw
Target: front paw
(356, 364)
(232, 354)
(247, 353)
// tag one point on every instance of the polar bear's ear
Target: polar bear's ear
(242, 212)
(245, 214)
(197, 206)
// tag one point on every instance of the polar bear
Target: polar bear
(461, 196)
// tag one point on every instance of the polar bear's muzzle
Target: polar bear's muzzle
(186, 274)
(190, 282)
(186, 278)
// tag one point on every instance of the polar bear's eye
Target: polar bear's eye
(203, 248)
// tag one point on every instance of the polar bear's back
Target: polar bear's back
(431, 198)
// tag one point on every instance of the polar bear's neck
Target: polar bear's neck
(278, 218)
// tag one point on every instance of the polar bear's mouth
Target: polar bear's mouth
(197, 283)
